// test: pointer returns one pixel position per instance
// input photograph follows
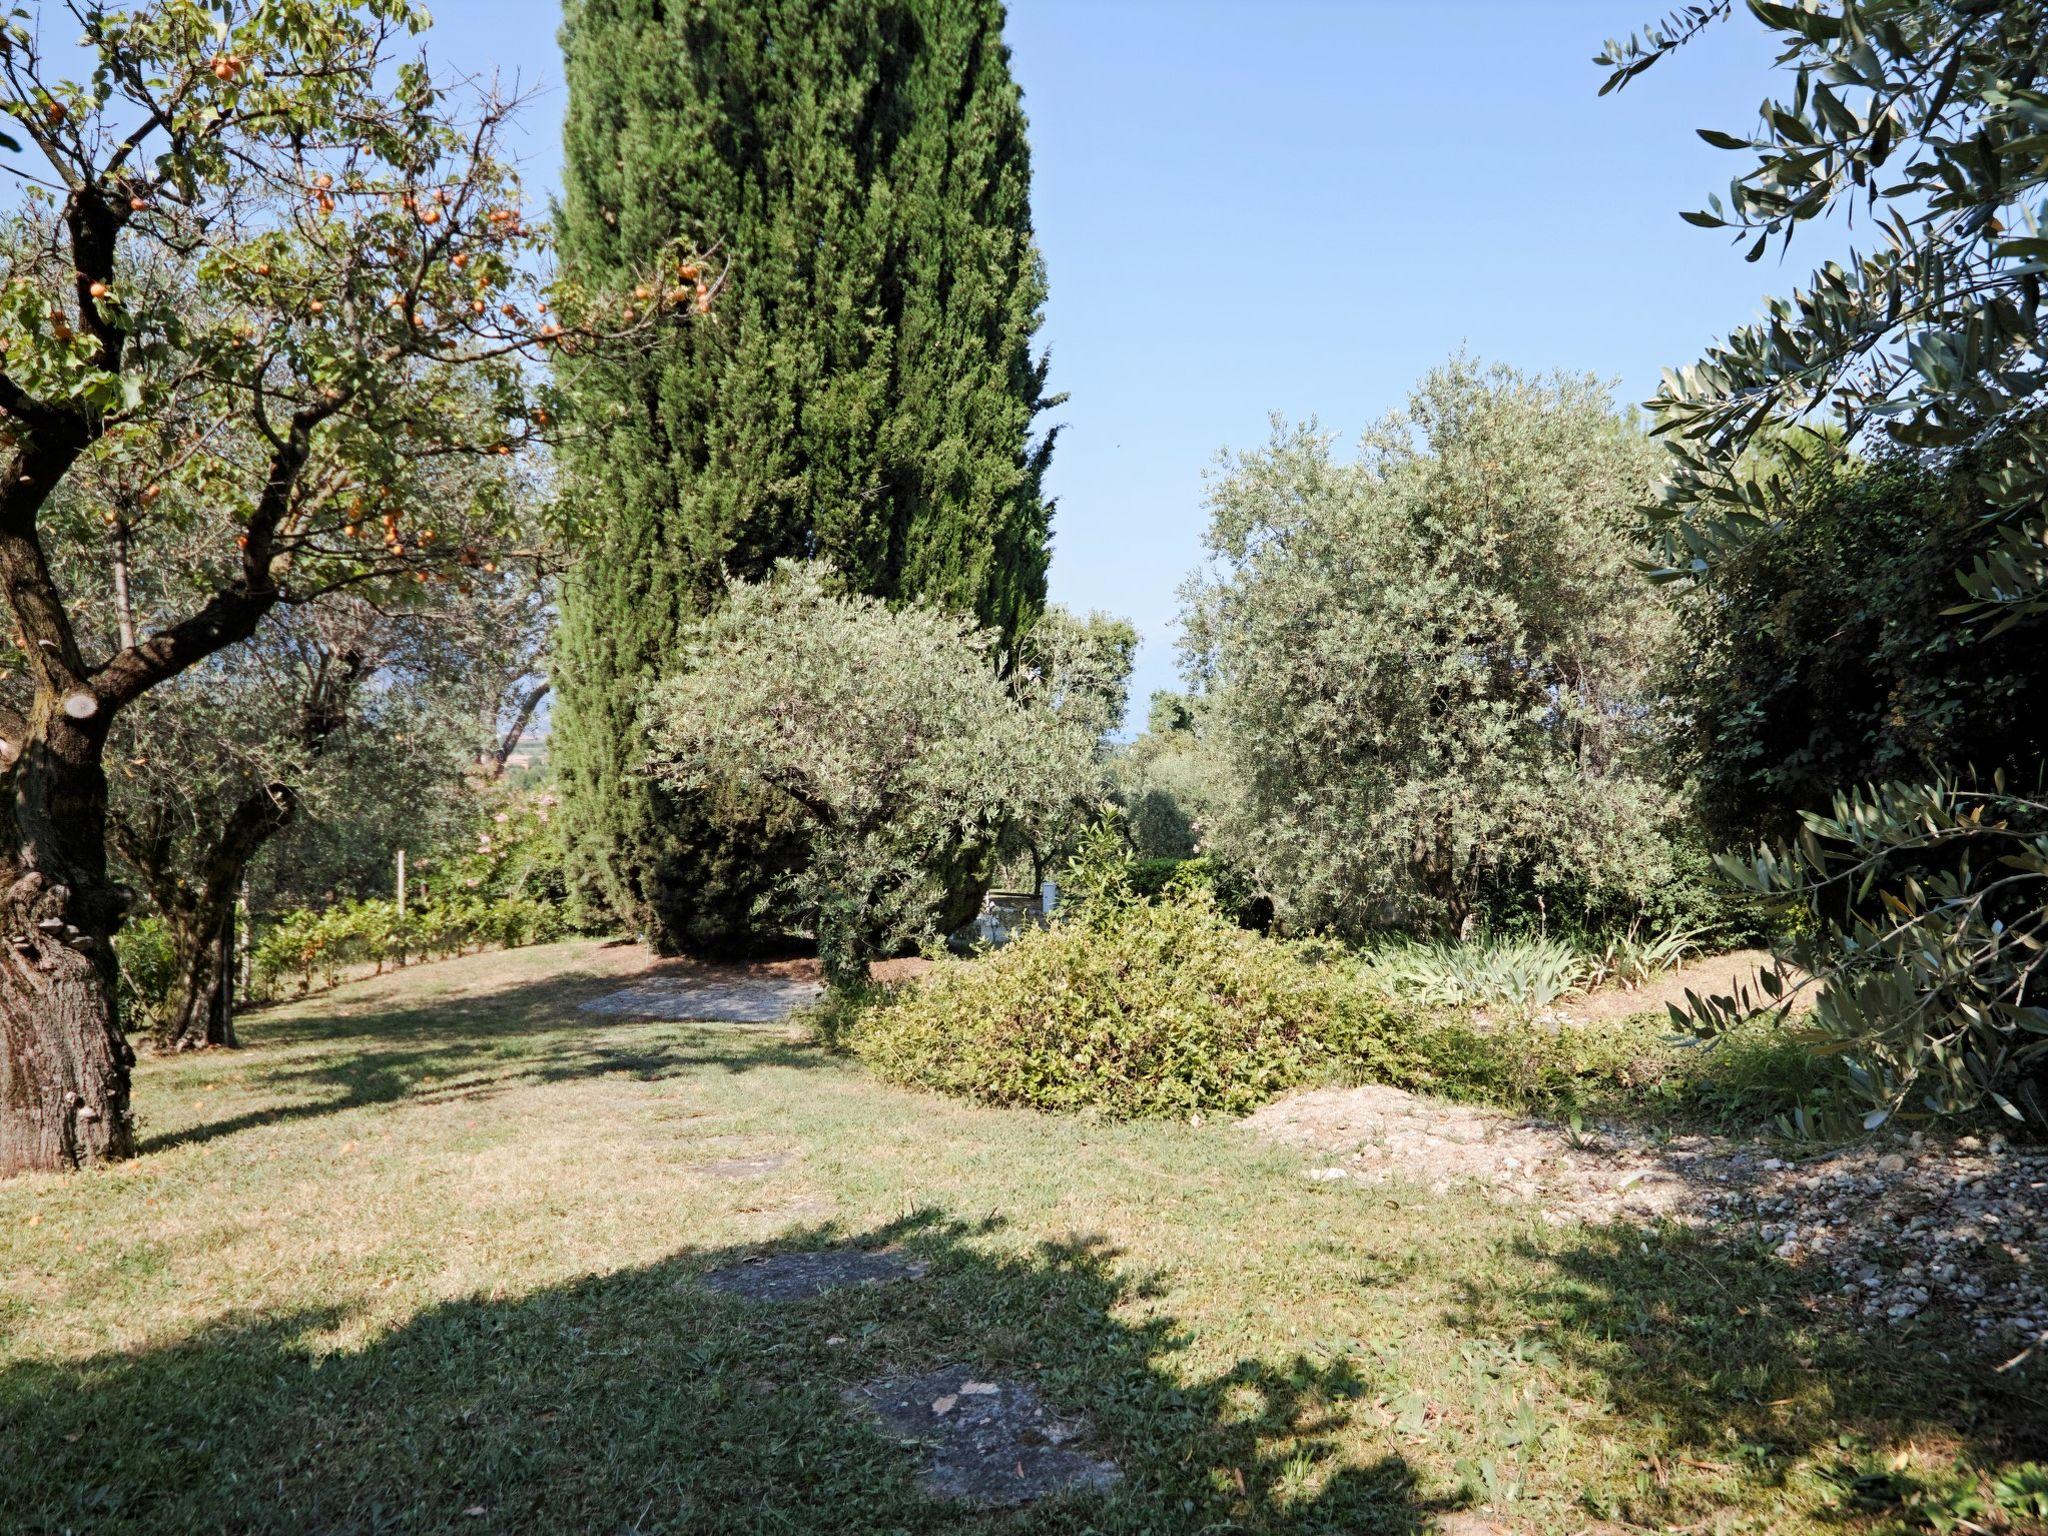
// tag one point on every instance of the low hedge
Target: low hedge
(306, 945)
(1150, 1008)
(1167, 1008)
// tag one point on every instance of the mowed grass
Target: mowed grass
(423, 1257)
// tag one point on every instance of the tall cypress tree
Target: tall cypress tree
(865, 391)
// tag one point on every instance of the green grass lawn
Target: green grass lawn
(422, 1258)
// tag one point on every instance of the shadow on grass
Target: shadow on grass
(1747, 1369)
(474, 1046)
(642, 1401)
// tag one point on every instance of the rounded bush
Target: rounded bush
(1152, 1008)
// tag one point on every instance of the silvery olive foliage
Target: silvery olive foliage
(1921, 124)
(1426, 667)
(1169, 781)
(1929, 908)
(891, 734)
(1923, 904)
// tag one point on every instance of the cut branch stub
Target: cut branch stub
(80, 704)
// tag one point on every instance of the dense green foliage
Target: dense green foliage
(865, 394)
(889, 737)
(1919, 901)
(1167, 1008)
(1151, 1008)
(1925, 911)
(1824, 653)
(1924, 121)
(1427, 669)
(308, 947)
(1169, 782)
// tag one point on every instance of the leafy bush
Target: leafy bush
(1137, 1008)
(148, 968)
(1827, 651)
(1628, 1069)
(887, 732)
(1151, 876)
(1430, 670)
(306, 946)
(1630, 960)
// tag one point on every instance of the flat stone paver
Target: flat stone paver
(687, 1000)
(986, 1442)
(787, 1277)
(758, 1166)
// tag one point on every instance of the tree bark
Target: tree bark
(63, 1061)
(202, 911)
(203, 1006)
(202, 922)
(500, 755)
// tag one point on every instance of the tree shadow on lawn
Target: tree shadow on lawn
(1749, 1368)
(643, 1401)
(469, 1048)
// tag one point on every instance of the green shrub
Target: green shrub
(1520, 975)
(1149, 878)
(1142, 1009)
(148, 969)
(304, 948)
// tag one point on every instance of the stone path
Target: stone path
(987, 1442)
(1886, 1229)
(698, 999)
(990, 1443)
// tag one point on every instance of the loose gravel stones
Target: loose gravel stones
(1887, 1229)
(987, 1442)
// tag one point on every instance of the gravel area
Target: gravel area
(692, 999)
(993, 1443)
(1890, 1228)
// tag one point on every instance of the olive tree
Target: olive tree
(891, 736)
(262, 266)
(1426, 667)
(1923, 122)
(339, 710)
(1923, 904)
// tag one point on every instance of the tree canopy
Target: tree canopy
(1426, 668)
(267, 270)
(867, 395)
(889, 734)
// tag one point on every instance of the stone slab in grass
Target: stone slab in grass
(787, 1277)
(986, 1442)
(693, 1000)
(759, 1166)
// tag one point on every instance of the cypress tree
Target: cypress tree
(864, 391)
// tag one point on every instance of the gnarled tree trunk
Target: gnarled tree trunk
(202, 922)
(63, 1061)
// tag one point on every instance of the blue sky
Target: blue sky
(1300, 206)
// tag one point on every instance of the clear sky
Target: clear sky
(1251, 206)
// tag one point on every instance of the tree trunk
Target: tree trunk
(496, 759)
(202, 1011)
(63, 1062)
